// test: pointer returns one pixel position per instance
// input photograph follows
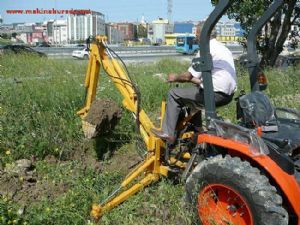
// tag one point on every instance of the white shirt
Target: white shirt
(223, 72)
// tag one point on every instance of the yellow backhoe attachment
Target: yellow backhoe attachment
(151, 168)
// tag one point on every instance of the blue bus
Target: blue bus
(186, 44)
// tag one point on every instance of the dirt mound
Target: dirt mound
(104, 114)
(20, 183)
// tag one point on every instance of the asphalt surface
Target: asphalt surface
(132, 54)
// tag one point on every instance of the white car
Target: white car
(81, 54)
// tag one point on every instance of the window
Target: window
(180, 41)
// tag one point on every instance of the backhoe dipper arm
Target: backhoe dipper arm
(151, 168)
(101, 55)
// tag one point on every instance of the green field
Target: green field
(39, 98)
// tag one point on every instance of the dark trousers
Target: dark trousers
(192, 97)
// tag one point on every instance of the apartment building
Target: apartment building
(81, 26)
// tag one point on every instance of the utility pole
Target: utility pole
(170, 7)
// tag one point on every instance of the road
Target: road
(67, 51)
(133, 54)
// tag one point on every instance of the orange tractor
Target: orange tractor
(245, 174)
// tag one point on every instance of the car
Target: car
(81, 54)
(43, 44)
(20, 49)
(284, 61)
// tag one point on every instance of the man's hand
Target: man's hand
(172, 77)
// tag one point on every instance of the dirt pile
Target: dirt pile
(20, 182)
(103, 116)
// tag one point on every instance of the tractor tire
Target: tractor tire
(226, 190)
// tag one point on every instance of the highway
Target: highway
(132, 54)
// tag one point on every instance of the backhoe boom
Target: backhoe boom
(151, 168)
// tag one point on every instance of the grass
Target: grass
(39, 98)
(4, 41)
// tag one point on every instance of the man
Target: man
(224, 82)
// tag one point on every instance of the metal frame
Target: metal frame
(204, 63)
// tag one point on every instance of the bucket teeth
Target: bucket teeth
(96, 211)
(89, 130)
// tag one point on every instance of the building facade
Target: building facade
(158, 29)
(229, 31)
(170, 39)
(184, 27)
(38, 35)
(29, 33)
(197, 29)
(57, 32)
(114, 36)
(129, 31)
(81, 26)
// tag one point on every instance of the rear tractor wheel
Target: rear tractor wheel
(228, 191)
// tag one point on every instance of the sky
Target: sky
(114, 10)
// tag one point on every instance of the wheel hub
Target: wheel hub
(220, 204)
(232, 208)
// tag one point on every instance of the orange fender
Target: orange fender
(286, 182)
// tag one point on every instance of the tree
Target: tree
(4, 36)
(274, 33)
(141, 31)
(14, 35)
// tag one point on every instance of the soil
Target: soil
(23, 185)
(87, 160)
(104, 114)
(123, 161)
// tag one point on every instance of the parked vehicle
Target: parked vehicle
(157, 42)
(283, 61)
(186, 44)
(44, 44)
(81, 54)
(288, 60)
(20, 49)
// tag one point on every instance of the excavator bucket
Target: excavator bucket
(89, 130)
(101, 118)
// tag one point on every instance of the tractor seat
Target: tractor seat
(256, 110)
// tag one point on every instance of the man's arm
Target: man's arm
(183, 77)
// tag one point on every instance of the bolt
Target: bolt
(232, 208)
